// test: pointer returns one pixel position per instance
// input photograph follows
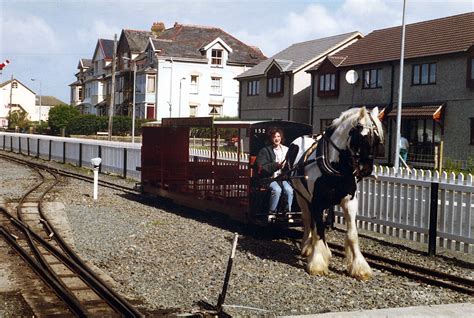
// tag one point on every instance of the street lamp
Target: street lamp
(37, 80)
(179, 104)
(133, 102)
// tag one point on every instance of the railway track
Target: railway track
(28, 232)
(411, 271)
(415, 272)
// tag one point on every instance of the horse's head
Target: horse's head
(365, 140)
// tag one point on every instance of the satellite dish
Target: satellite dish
(351, 77)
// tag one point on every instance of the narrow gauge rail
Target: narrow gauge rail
(73, 175)
(83, 292)
(411, 271)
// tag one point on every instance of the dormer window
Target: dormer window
(216, 57)
(275, 82)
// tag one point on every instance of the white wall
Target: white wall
(20, 95)
(170, 74)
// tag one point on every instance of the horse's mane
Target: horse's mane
(352, 116)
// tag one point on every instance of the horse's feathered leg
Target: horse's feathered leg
(306, 247)
(356, 264)
(318, 260)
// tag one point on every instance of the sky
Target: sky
(44, 39)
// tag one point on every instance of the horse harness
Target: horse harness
(349, 163)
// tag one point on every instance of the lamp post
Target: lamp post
(133, 98)
(179, 104)
(37, 80)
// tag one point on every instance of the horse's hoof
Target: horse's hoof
(317, 271)
(362, 275)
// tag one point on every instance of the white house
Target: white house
(14, 95)
(195, 67)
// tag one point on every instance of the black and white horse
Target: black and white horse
(332, 163)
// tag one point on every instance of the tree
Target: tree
(18, 118)
(61, 116)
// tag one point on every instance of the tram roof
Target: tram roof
(210, 121)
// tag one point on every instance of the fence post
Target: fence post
(125, 163)
(80, 154)
(64, 152)
(38, 148)
(100, 156)
(50, 147)
(433, 219)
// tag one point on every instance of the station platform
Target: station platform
(450, 310)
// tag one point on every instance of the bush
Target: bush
(61, 117)
(91, 124)
(87, 125)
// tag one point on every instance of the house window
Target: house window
(253, 88)
(373, 78)
(216, 85)
(472, 69)
(215, 110)
(79, 93)
(194, 88)
(472, 131)
(424, 74)
(216, 57)
(274, 85)
(150, 87)
(14, 85)
(470, 72)
(192, 110)
(325, 123)
(327, 82)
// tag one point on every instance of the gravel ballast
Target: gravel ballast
(166, 256)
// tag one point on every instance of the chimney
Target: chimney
(157, 28)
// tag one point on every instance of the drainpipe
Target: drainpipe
(156, 89)
(290, 94)
(171, 87)
(239, 102)
(311, 101)
(390, 107)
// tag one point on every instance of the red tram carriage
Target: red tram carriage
(209, 182)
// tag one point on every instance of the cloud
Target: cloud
(97, 30)
(25, 34)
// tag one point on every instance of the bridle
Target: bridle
(350, 158)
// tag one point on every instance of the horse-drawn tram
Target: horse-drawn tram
(209, 179)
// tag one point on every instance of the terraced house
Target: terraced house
(438, 86)
(279, 87)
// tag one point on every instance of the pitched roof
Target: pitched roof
(15, 80)
(434, 37)
(85, 62)
(137, 40)
(107, 47)
(188, 41)
(301, 53)
(49, 101)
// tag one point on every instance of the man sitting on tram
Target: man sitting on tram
(270, 161)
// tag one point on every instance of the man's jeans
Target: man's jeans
(276, 194)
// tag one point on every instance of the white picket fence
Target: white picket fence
(396, 204)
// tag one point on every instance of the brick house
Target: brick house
(438, 86)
